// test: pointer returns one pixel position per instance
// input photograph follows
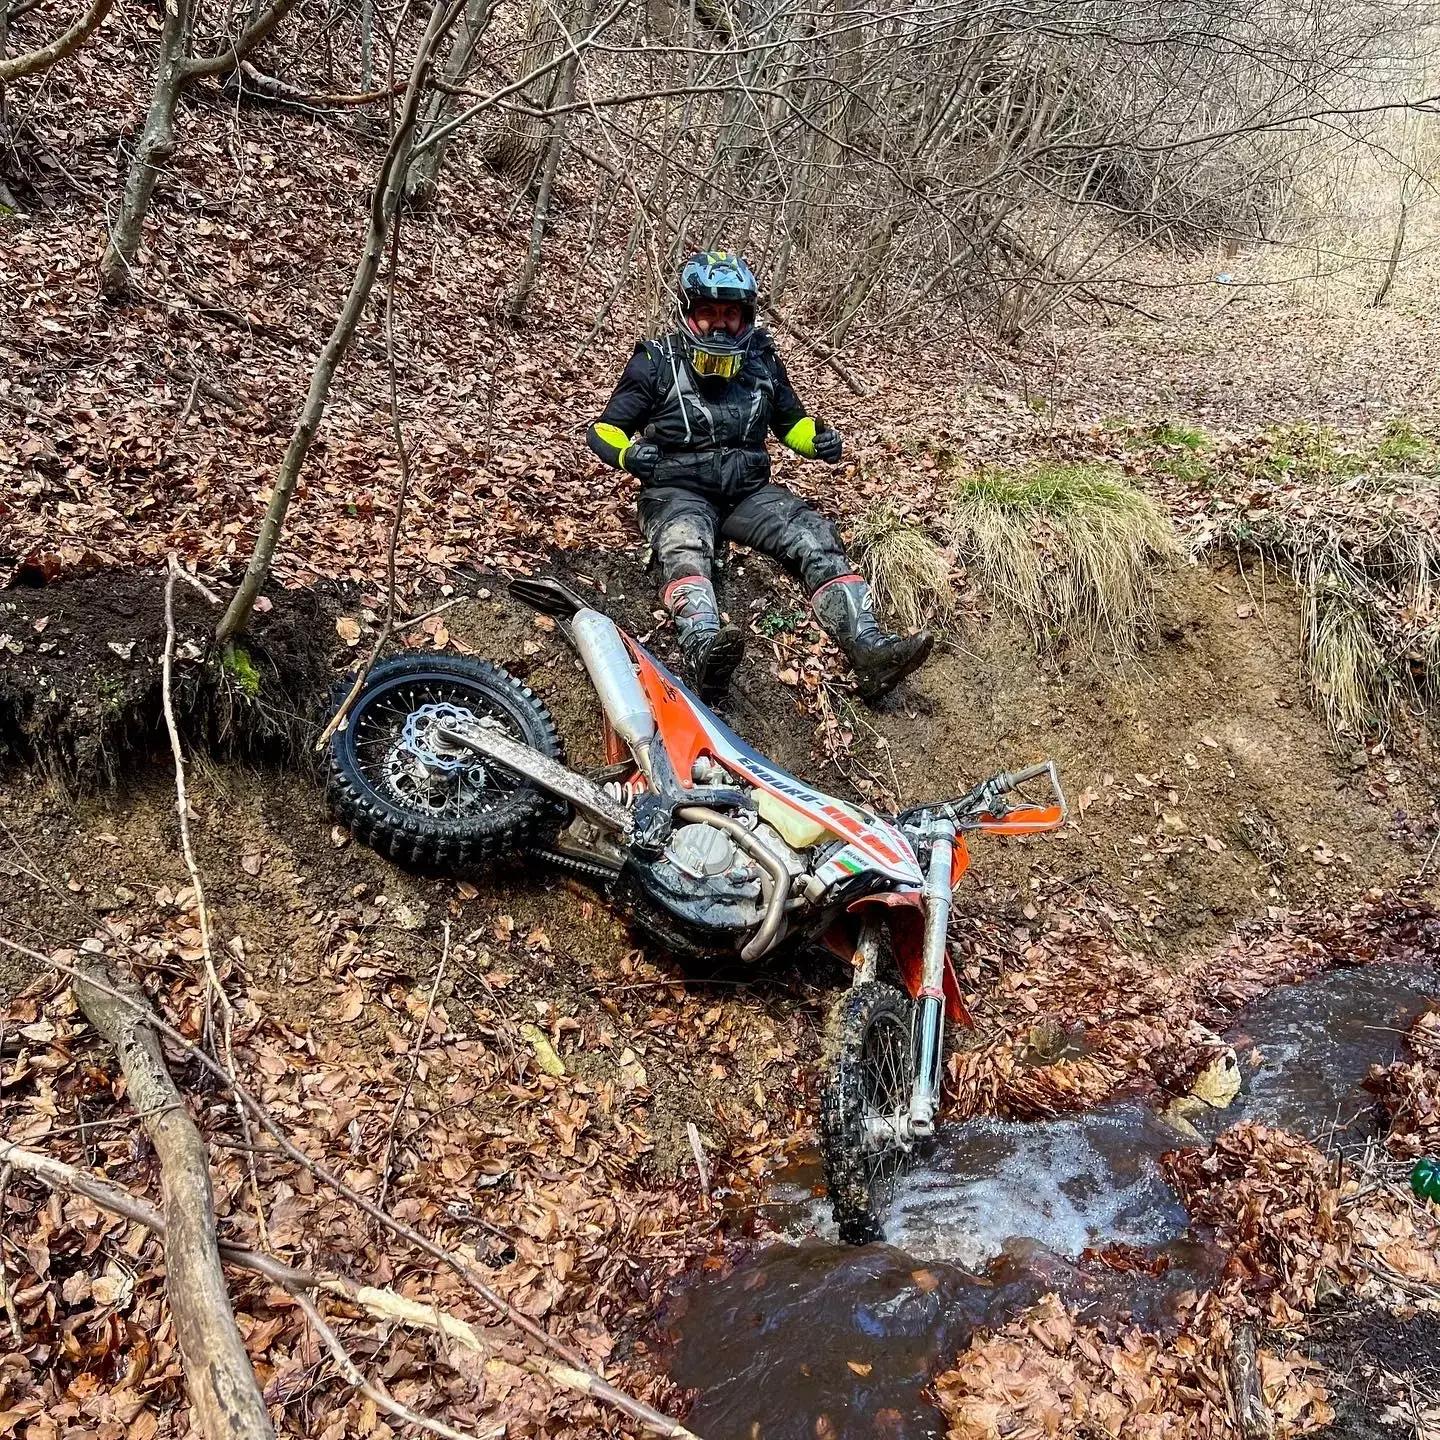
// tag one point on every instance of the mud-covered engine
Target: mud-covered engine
(705, 879)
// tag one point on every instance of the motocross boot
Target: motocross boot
(711, 647)
(880, 661)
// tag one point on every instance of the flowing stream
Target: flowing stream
(810, 1337)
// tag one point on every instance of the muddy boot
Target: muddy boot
(712, 649)
(880, 661)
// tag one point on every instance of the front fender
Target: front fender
(905, 917)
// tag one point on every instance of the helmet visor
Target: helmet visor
(724, 366)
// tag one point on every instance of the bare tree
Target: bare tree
(385, 197)
(177, 66)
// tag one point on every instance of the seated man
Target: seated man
(701, 399)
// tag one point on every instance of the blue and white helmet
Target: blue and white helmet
(718, 277)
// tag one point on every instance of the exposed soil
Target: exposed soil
(1383, 1362)
(1205, 793)
(80, 687)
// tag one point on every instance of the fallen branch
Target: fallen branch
(269, 87)
(1252, 1415)
(820, 348)
(412, 621)
(224, 1394)
(6, 1299)
(573, 1374)
(384, 1305)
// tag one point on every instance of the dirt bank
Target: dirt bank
(1205, 793)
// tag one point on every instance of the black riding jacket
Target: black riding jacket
(711, 432)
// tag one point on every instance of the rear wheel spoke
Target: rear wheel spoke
(442, 781)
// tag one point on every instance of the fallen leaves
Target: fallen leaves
(1048, 1373)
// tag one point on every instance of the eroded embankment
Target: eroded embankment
(546, 1125)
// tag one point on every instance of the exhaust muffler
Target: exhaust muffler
(622, 697)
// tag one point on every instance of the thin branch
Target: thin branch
(213, 989)
(397, 521)
(200, 66)
(820, 348)
(489, 102)
(403, 1098)
(65, 44)
(270, 87)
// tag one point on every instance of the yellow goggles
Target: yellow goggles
(726, 367)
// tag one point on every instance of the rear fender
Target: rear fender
(904, 913)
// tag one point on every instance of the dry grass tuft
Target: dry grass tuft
(1074, 551)
(908, 572)
(1369, 588)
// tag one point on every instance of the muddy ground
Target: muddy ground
(1205, 795)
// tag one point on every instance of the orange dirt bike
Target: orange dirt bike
(446, 762)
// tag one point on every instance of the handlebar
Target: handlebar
(1013, 779)
(984, 799)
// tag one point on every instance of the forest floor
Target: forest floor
(541, 1089)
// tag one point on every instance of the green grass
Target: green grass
(1173, 435)
(908, 572)
(1073, 551)
(1403, 448)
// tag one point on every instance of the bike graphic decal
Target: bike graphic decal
(690, 729)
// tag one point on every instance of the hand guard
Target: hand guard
(641, 458)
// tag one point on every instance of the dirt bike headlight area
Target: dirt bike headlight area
(1160, 1185)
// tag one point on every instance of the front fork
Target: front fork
(930, 1003)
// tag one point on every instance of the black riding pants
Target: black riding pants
(683, 526)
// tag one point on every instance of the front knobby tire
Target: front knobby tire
(432, 829)
(870, 1077)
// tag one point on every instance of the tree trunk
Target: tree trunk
(516, 146)
(564, 94)
(8, 202)
(385, 198)
(225, 1398)
(367, 44)
(424, 177)
(153, 150)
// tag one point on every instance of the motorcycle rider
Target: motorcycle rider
(688, 420)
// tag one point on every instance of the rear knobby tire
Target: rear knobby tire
(870, 1072)
(508, 816)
